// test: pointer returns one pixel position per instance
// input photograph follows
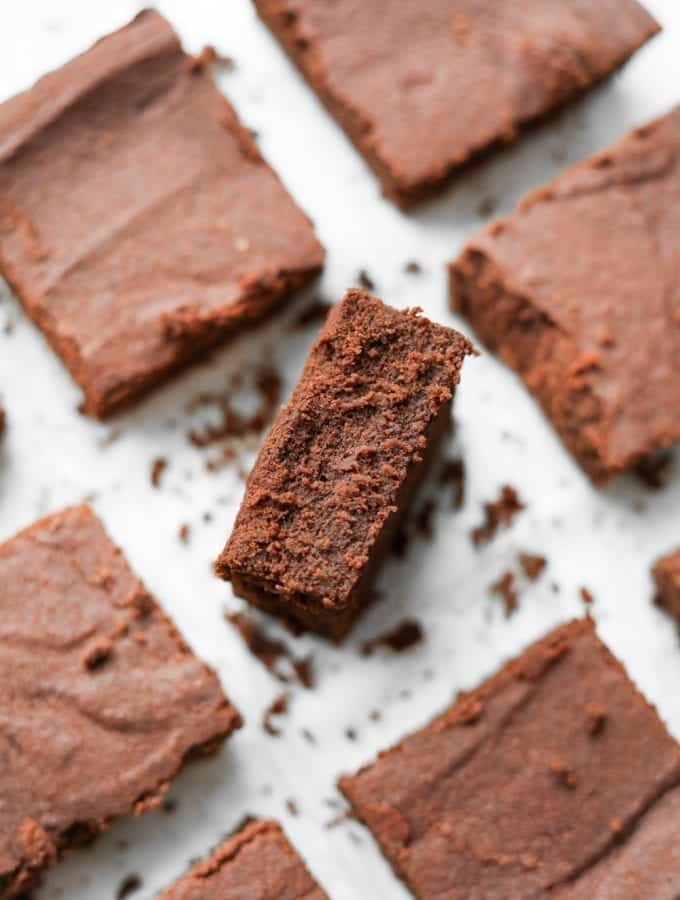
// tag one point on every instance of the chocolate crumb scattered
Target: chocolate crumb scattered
(308, 736)
(292, 807)
(169, 805)
(653, 472)
(453, 472)
(313, 315)
(184, 533)
(596, 717)
(270, 651)
(505, 589)
(158, 467)
(532, 566)
(278, 707)
(487, 207)
(365, 281)
(97, 655)
(405, 636)
(562, 773)
(499, 512)
(128, 886)
(586, 597)
(351, 734)
(413, 268)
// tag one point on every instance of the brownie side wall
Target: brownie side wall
(539, 352)
(335, 623)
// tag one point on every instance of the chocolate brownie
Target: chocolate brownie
(80, 743)
(256, 864)
(667, 577)
(342, 462)
(139, 225)
(578, 291)
(423, 86)
(552, 776)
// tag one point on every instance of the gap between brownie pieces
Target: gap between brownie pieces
(335, 621)
(526, 338)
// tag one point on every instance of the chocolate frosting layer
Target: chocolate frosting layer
(530, 784)
(422, 86)
(101, 702)
(138, 222)
(579, 292)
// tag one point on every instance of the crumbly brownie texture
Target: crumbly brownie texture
(578, 292)
(423, 86)
(257, 864)
(80, 743)
(667, 577)
(138, 223)
(539, 781)
(342, 462)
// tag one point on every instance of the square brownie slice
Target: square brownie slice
(139, 225)
(666, 574)
(342, 462)
(256, 863)
(579, 293)
(101, 702)
(423, 88)
(549, 769)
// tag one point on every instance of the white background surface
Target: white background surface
(603, 540)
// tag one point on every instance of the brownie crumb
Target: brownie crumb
(487, 207)
(308, 736)
(97, 655)
(158, 467)
(375, 715)
(653, 472)
(128, 886)
(413, 268)
(562, 773)
(499, 512)
(184, 533)
(292, 807)
(278, 707)
(169, 806)
(453, 473)
(586, 597)
(406, 635)
(532, 565)
(365, 281)
(596, 717)
(505, 589)
(351, 734)
(271, 652)
(313, 315)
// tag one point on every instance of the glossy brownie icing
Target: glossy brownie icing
(423, 86)
(553, 776)
(138, 223)
(101, 703)
(341, 463)
(579, 292)
(257, 864)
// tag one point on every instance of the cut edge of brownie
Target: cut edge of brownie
(333, 617)
(530, 665)
(284, 25)
(47, 851)
(666, 574)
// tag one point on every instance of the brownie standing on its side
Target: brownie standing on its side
(579, 292)
(342, 462)
(139, 225)
(555, 779)
(80, 743)
(423, 86)
(256, 863)
(667, 577)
